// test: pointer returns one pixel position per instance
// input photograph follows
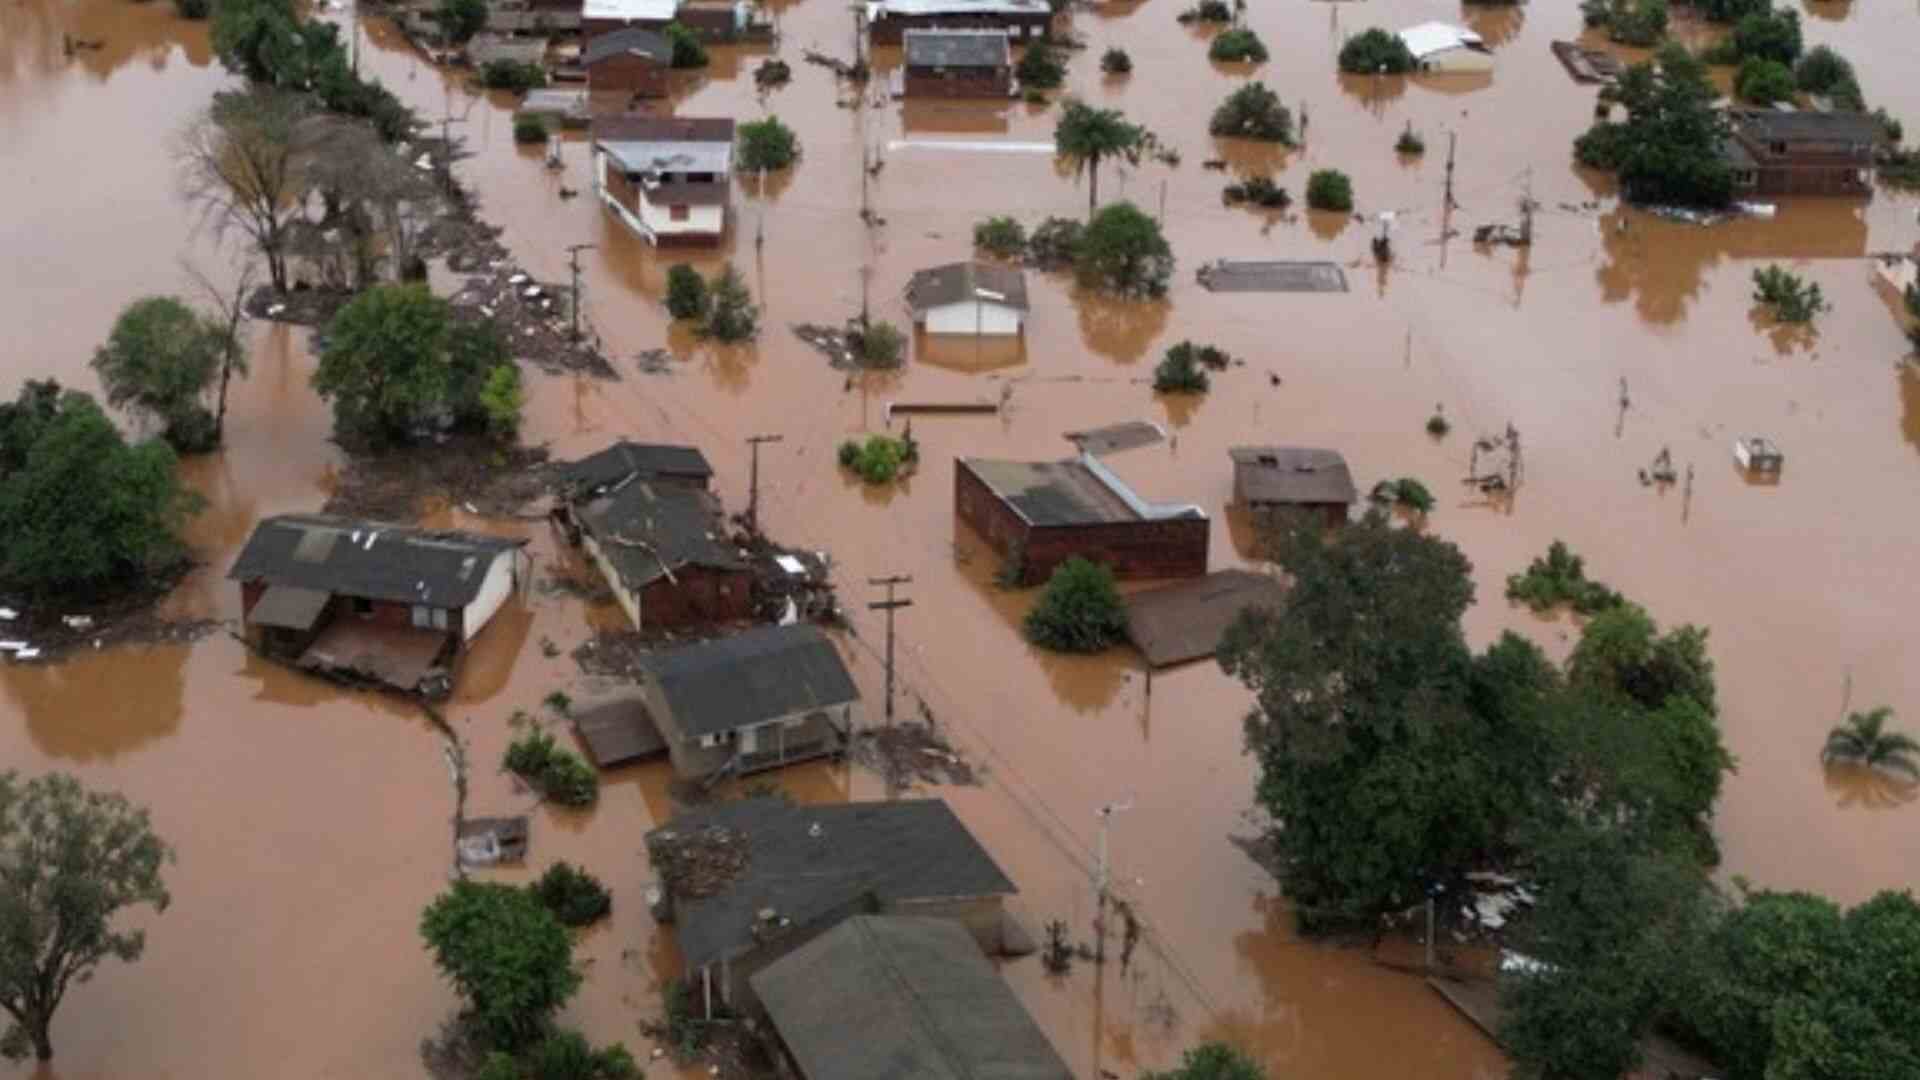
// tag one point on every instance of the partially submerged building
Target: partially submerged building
(1269, 478)
(667, 177)
(605, 16)
(758, 699)
(900, 998)
(1782, 152)
(1184, 621)
(632, 60)
(1037, 515)
(958, 64)
(1021, 20)
(664, 551)
(749, 881)
(1444, 48)
(976, 298)
(372, 601)
(601, 471)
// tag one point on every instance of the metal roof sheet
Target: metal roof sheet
(749, 678)
(436, 567)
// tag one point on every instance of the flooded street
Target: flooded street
(312, 824)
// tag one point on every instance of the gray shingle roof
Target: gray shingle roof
(962, 281)
(436, 567)
(913, 849)
(651, 527)
(750, 677)
(1770, 124)
(892, 998)
(957, 48)
(1291, 474)
(624, 459)
(632, 39)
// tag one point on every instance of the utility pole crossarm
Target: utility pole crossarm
(890, 605)
(753, 482)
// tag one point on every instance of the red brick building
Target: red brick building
(662, 547)
(1270, 478)
(958, 64)
(631, 61)
(1037, 515)
(1773, 152)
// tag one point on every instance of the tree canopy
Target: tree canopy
(1668, 148)
(396, 363)
(767, 144)
(1375, 52)
(506, 954)
(1085, 136)
(159, 361)
(1213, 1061)
(1253, 111)
(70, 860)
(1079, 611)
(1124, 252)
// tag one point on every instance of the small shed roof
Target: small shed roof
(960, 7)
(632, 10)
(1767, 125)
(805, 862)
(618, 730)
(958, 48)
(623, 459)
(1126, 435)
(648, 529)
(487, 48)
(900, 998)
(289, 607)
(667, 143)
(1185, 621)
(1291, 475)
(960, 282)
(630, 40)
(750, 677)
(436, 567)
(1436, 37)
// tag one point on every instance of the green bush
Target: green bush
(1123, 251)
(688, 52)
(849, 454)
(566, 1055)
(193, 9)
(1253, 112)
(686, 292)
(1405, 492)
(501, 399)
(1217, 11)
(1042, 67)
(1822, 69)
(1376, 52)
(882, 345)
(1179, 372)
(1001, 236)
(512, 75)
(529, 129)
(1080, 610)
(1438, 426)
(1629, 22)
(1258, 190)
(731, 315)
(554, 771)
(1773, 35)
(767, 144)
(1410, 142)
(1116, 62)
(772, 72)
(1560, 578)
(574, 896)
(1056, 242)
(1793, 299)
(1763, 82)
(461, 19)
(499, 1066)
(879, 460)
(1237, 44)
(1329, 189)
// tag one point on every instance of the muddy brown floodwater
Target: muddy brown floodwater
(312, 824)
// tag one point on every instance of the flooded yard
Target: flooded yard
(313, 824)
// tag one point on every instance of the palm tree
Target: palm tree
(1864, 740)
(1086, 135)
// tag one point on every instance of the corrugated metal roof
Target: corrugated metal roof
(621, 42)
(1435, 37)
(1766, 125)
(650, 528)
(624, 459)
(667, 143)
(898, 998)
(344, 557)
(1051, 492)
(1177, 623)
(749, 678)
(956, 283)
(1291, 475)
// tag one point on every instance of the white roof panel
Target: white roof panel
(655, 10)
(1434, 37)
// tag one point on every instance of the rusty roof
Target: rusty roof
(1185, 621)
(1291, 474)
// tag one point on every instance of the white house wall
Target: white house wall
(494, 590)
(973, 318)
(653, 222)
(628, 599)
(1457, 61)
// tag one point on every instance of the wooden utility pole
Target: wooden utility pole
(890, 605)
(753, 482)
(1103, 881)
(1452, 137)
(573, 259)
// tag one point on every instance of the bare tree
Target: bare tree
(245, 163)
(230, 314)
(367, 195)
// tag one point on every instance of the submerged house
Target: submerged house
(884, 997)
(632, 61)
(663, 549)
(958, 64)
(604, 16)
(368, 600)
(759, 699)
(1781, 152)
(1267, 478)
(969, 298)
(1443, 48)
(1037, 515)
(599, 472)
(1021, 20)
(788, 874)
(668, 177)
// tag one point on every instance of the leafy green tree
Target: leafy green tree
(82, 513)
(1770, 35)
(1726, 11)
(566, 1055)
(1041, 67)
(1668, 148)
(386, 367)
(882, 344)
(530, 129)
(686, 292)
(1630, 22)
(513, 75)
(193, 9)
(1237, 44)
(70, 860)
(1124, 252)
(688, 52)
(767, 144)
(731, 315)
(1213, 1061)
(1825, 72)
(1116, 62)
(501, 399)
(1865, 740)
(1329, 189)
(1086, 136)
(461, 19)
(1179, 372)
(1376, 52)
(1253, 112)
(260, 40)
(159, 361)
(1079, 611)
(574, 896)
(1763, 82)
(507, 956)
(1792, 298)
(1000, 236)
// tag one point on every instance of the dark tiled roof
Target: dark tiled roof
(650, 527)
(439, 568)
(750, 677)
(1290, 474)
(902, 998)
(957, 48)
(631, 39)
(1767, 125)
(688, 193)
(663, 129)
(624, 459)
(961, 281)
(804, 862)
